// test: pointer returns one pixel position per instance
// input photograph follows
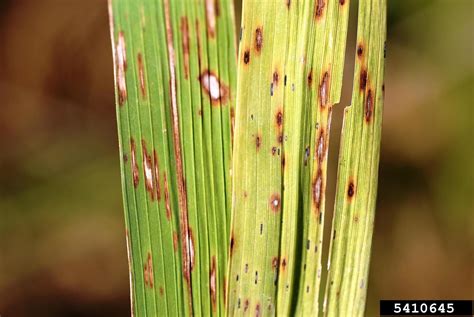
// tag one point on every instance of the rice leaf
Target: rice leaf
(174, 65)
(358, 169)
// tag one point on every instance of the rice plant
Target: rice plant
(224, 154)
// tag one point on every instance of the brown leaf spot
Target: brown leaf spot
(214, 88)
(310, 78)
(342, 2)
(258, 313)
(232, 243)
(275, 202)
(350, 189)
(148, 271)
(369, 105)
(246, 57)
(258, 142)
(211, 18)
(306, 156)
(167, 197)
(198, 41)
(283, 161)
(134, 163)
(162, 291)
(319, 10)
(321, 146)
(274, 263)
(148, 171)
(280, 138)
(288, 4)
(141, 74)
(212, 283)
(324, 90)
(121, 58)
(185, 44)
(258, 39)
(274, 149)
(246, 305)
(363, 79)
(217, 8)
(157, 175)
(175, 241)
(317, 187)
(276, 78)
(360, 50)
(279, 118)
(283, 264)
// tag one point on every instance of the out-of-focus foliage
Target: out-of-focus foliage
(61, 232)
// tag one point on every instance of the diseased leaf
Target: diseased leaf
(175, 78)
(356, 194)
(290, 75)
(224, 176)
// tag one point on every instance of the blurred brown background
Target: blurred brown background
(62, 246)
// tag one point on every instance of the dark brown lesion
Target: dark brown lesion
(258, 39)
(167, 197)
(310, 78)
(280, 138)
(258, 142)
(275, 263)
(318, 189)
(275, 78)
(321, 146)
(275, 202)
(319, 9)
(324, 90)
(134, 163)
(363, 79)
(148, 271)
(369, 105)
(350, 189)
(121, 60)
(198, 41)
(279, 118)
(246, 57)
(141, 74)
(156, 175)
(360, 50)
(175, 241)
(283, 264)
(232, 243)
(258, 313)
(184, 26)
